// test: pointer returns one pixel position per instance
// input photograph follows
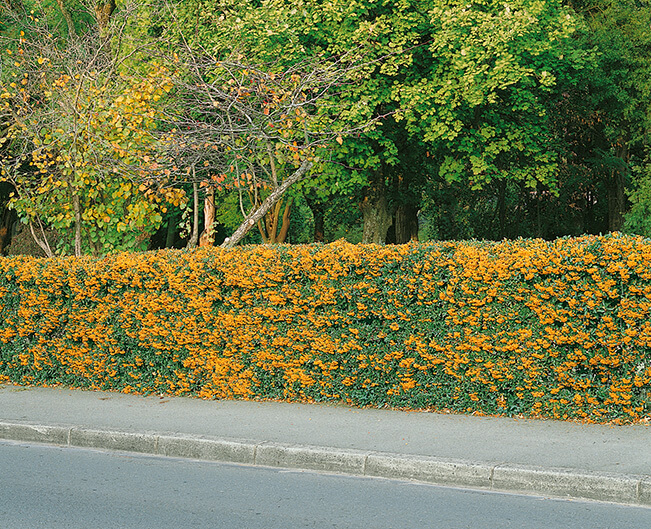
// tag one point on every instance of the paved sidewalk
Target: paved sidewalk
(608, 463)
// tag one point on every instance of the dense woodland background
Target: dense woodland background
(175, 123)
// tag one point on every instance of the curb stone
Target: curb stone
(618, 488)
(472, 474)
(558, 482)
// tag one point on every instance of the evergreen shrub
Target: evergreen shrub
(520, 328)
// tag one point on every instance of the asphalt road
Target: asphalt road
(52, 487)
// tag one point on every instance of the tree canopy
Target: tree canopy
(182, 122)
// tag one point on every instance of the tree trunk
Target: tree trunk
(170, 235)
(616, 190)
(72, 34)
(4, 238)
(42, 243)
(375, 211)
(207, 238)
(76, 205)
(318, 212)
(268, 203)
(269, 224)
(501, 209)
(284, 230)
(103, 11)
(538, 219)
(194, 238)
(588, 212)
(405, 222)
(7, 220)
(616, 201)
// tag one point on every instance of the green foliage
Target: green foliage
(471, 85)
(638, 219)
(83, 156)
(526, 118)
(604, 122)
(481, 100)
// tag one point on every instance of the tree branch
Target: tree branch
(268, 203)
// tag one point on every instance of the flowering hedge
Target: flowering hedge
(541, 329)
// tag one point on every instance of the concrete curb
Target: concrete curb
(566, 483)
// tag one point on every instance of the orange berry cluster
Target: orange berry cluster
(529, 328)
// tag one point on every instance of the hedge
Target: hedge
(521, 328)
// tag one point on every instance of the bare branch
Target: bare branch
(269, 202)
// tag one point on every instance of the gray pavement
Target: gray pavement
(600, 462)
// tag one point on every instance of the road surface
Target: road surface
(52, 487)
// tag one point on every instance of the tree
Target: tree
(6, 217)
(597, 124)
(468, 85)
(601, 121)
(638, 219)
(286, 35)
(83, 156)
(256, 128)
(623, 101)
